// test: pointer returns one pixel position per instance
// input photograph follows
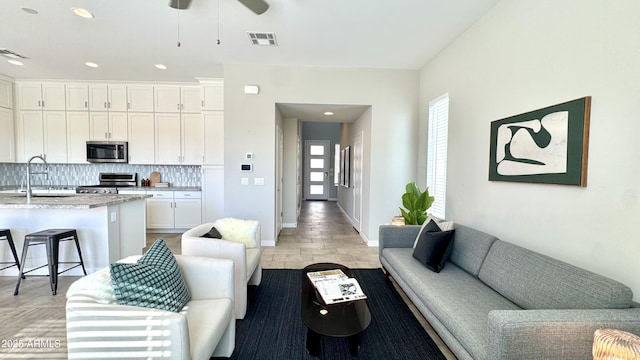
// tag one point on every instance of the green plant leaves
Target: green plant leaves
(416, 203)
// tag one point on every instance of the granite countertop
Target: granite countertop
(70, 201)
(73, 187)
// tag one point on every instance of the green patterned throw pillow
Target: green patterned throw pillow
(155, 281)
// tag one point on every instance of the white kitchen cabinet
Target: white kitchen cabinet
(141, 138)
(43, 133)
(140, 98)
(174, 99)
(104, 97)
(179, 139)
(168, 147)
(108, 126)
(214, 135)
(37, 96)
(55, 136)
(212, 193)
(174, 209)
(187, 209)
(7, 144)
(193, 135)
(160, 210)
(212, 95)
(77, 97)
(6, 94)
(78, 131)
(190, 99)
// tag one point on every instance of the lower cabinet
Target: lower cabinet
(174, 209)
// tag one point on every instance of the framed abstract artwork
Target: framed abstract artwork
(548, 145)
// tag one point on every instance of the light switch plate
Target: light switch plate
(244, 181)
(258, 181)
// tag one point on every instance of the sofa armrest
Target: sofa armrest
(126, 331)
(553, 334)
(207, 278)
(392, 236)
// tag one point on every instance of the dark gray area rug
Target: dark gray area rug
(272, 328)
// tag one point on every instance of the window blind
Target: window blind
(437, 154)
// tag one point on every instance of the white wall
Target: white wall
(528, 54)
(250, 127)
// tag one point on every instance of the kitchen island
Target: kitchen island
(109, 227)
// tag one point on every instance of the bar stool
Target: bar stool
(5, 234)
(51, 238)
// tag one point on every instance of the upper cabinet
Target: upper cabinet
(77, 97)
(7, 149)
(45, 96)
(104, 97)
(174, 99)
(140, 98)
(6, 94)
(212, 95)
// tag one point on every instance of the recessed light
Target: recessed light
(328, 113)
(30, 11)
(91, 64)
(15, 62)
(161, 66)
(82, 12)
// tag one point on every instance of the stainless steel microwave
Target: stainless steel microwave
(107, 152)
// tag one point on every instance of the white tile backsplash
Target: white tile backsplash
(81, 174)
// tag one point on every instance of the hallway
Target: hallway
(324, 234)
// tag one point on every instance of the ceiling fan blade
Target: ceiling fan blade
(257, 6)
(180, 4)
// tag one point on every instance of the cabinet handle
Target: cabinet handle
(128, 105)
(86, 104)
(202, 103)
(105, 105)
(178, 106)
(106, 136)
(42, 103)
(109, 104)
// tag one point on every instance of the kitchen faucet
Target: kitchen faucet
(29, 173)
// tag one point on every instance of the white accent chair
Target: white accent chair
(205, 327)
(246, 261)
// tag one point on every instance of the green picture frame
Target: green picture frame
(548, 145)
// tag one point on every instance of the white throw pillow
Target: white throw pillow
(443, 225)
(98, 284)
(243, 231)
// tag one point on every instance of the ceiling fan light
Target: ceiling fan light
(15, 62)
(257, 6)
(161, 66)
(91, 64)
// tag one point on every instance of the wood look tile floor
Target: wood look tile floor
(33, 323)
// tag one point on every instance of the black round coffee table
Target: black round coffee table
(347, 319)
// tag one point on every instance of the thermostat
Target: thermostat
(246, 167)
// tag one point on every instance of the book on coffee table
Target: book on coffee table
(336, 287)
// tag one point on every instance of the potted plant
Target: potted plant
(416, 203)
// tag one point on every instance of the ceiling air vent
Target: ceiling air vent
(10, 54)
(263, 38)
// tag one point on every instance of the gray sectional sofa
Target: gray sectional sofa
(496, 300)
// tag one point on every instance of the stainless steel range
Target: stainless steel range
(110, 183)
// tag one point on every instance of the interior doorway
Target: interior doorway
(316, 169)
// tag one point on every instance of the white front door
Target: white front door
(317, 169)
(357, 181)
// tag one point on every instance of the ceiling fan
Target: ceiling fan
(257, 6)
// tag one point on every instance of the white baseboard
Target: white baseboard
(268, 243)
(290, 225)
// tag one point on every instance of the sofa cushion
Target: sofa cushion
(207, 321)
(154, 281)
(453, 296)
(470, 247)
(243, 231)
(536, 281)
(431, 249)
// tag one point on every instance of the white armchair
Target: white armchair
(246, 261)
(205, 327)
